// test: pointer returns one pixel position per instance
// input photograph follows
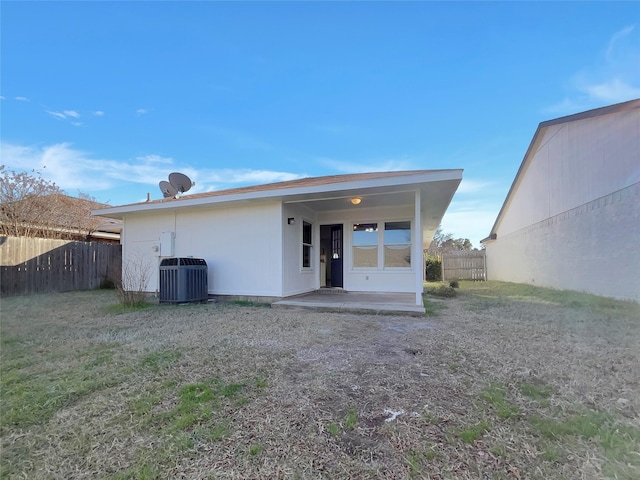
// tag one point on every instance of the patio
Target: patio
(360, 302)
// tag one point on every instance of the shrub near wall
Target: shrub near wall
(433, 269)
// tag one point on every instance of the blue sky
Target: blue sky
(108, 98)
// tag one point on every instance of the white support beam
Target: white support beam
(417, 248)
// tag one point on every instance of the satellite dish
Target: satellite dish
(180, 182)
(167, 189)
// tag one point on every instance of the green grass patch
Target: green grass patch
(431, 454)
(432, 308)
(551, 454)
(430, 419)
(143, 406)
(196, 403)
(9, 341)
(101, 354)
(196, 407)
(586, 425)
(472, 433)
(333, 429)
(499, 292)
(32, 397)
(620, 443)
(261, 382)
(118, 308)
(498, 450)
(195, 416)
(537, 392)
(160, 360)
(414, 462)
(351, 419)
(443, 291)
(496, 396)
(256, 450)
(417, 460)
(212, 433)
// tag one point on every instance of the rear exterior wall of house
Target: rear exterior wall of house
(241, 245)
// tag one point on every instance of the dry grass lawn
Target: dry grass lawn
(502, 382)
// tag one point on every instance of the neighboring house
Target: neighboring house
(58, 216)
(571, 219)
(360, 232)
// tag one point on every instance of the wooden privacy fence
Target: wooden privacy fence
(39, 265)
(464, 266)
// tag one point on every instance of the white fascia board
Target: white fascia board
(282, 194)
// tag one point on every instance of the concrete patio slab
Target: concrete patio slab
(359, 302)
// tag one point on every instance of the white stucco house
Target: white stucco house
(360, 232)
(571, 219)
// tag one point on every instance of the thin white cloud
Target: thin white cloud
(473, 186)
(155, 160)
(56, 114)
(236, 177)
(67, 115)
(612, 90)
(22, 99)
(98, 113)
(141, 111)
(74, 169)
(612, 78)
(613, 48)
(1, 97)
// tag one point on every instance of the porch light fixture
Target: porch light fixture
(356, 200)
(291, 221)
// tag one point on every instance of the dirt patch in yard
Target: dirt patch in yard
(501, 383)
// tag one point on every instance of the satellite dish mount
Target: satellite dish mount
(178, 183)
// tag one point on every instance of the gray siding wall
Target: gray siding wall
(573, 219)
(593, 248)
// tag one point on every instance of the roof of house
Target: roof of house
(302, 186)
(330, 193)
(533, 147)
(66, 215)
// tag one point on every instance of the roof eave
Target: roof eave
(416, 178)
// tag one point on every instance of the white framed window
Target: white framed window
(397, 244)
(381, 245)
(365, 245)
(307, 243)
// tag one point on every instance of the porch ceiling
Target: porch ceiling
(435, 198)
